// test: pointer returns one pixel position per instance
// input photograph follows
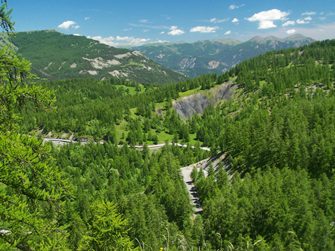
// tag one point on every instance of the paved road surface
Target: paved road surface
(61, 142)
(191, 189)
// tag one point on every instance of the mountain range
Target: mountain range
(57, 56)
(217, 56)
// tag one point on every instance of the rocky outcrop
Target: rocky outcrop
(186, 107)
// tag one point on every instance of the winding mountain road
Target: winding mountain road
(185, 171)
(61, 142)
(190, 186)
(191, 189)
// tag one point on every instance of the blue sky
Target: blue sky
(134, 22)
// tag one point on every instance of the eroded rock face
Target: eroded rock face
(188, 63)
(186, 107)
(213, 64)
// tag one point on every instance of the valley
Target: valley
(137, 106)
(218, 56)
(204, 143)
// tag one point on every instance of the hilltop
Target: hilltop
(56, 56)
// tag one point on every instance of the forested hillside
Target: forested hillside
(288, 90)
(278, 128)
(56, 56)
(98, 197)
(116, 111)
(279, 134)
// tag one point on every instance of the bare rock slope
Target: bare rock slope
(186, 107)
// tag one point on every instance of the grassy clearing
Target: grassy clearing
(164, 137)
(160, 105)
(189, 92)
(131, 89)
(132, 112)
(193, 140)
(121, 130)
(262, 83)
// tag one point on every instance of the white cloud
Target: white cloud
(148, 26)
(301, 21)
(235, 6)
(227, 32)
(266, 18)
(325, 31)
(266, 24)
(290, 32)
(305, 20)
(235, 20)
(166, 17)
(308, 13)
(318, 32)
(143, 21)
(87, 18)
(175, 31)
(66, 25)
(288, 23)
(215, 20)
(204, 29)
(119, 41)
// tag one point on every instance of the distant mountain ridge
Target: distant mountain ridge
(59, 56)
(216, 56)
